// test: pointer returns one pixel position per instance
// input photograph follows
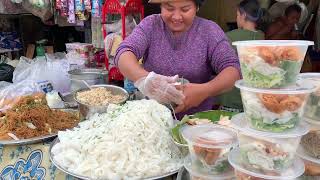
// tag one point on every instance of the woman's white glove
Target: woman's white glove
(160, 88)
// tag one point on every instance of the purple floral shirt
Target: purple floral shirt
(197, 55)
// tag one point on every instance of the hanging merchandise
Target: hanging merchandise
(80, 10)
(71, 12)
(97, 38)
(44, 12)
(96, 8)
(40, 3)
(62, 7)
(87, 5)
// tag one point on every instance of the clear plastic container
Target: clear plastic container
(198, 173)
(312, 110)
(243, 172)
(209, 146)
(271, 63)
(275, 110)
(312, 165)
(311, 141)
(265, 151)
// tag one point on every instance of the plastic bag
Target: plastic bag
(54, 70)
(6, 72)
(11, 93)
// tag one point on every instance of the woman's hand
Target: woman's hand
(160, 88)
(194, 94)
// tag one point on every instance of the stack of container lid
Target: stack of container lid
(209, 146)
(309, 149)
(271, 127)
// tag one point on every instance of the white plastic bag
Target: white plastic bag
(54, 70)
(11, 93)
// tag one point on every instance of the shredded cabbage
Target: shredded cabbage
(128, 142)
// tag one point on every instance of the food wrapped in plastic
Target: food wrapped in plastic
(209, 146)
(274, 110)
(311, 141)
(245, 173)
(312, 110)
(312, 165)
(264, 151)
(271, 64)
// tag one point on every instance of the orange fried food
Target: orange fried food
(292, 103)
(210, 154)
(288, 53)
(279, 103)
(272, 103)
(266, 53)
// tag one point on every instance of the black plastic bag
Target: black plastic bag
(6, 72)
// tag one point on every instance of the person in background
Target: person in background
(249, 13)
(284, 28)
(177, 42)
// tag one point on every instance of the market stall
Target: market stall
(62, 118)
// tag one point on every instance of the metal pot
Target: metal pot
(86, 111)
(90, 76)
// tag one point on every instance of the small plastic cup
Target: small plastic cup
(265, 151)
(312, 110)
(271, 63)
(312, 165)
(209, 146)
(197, 173)
(275, 110)
(243, 172)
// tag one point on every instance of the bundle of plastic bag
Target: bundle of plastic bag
(54, 69)
(11, 93)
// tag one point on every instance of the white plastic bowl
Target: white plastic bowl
(312, 165)
(275, 110)
(269, 152)
(245, 173)
(209, 146)
(313, 105)
(271, 63)
(197, 173)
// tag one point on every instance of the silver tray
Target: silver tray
(28, 141)
(88, 178)
(38, 139)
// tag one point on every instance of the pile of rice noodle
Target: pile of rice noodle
(128, 142)
(31, 117)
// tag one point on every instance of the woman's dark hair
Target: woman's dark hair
(199, 2)
(293, 8)
(252, 10)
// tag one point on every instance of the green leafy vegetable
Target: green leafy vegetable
(257, 79)
(214, 116)
(275, 127)
(292, 69)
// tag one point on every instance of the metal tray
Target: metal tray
(38, 139)
(29, 141)
(88, 178)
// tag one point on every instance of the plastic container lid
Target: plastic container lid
(301, 87)
(197, 173)
(296, 170)
(309, 75)
(312, 123)
(214, 136)
(273, 43)
(304, 155)
(240, 123)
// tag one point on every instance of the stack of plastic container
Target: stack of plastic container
(209, 146)
(309, 149)
(271, 127)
